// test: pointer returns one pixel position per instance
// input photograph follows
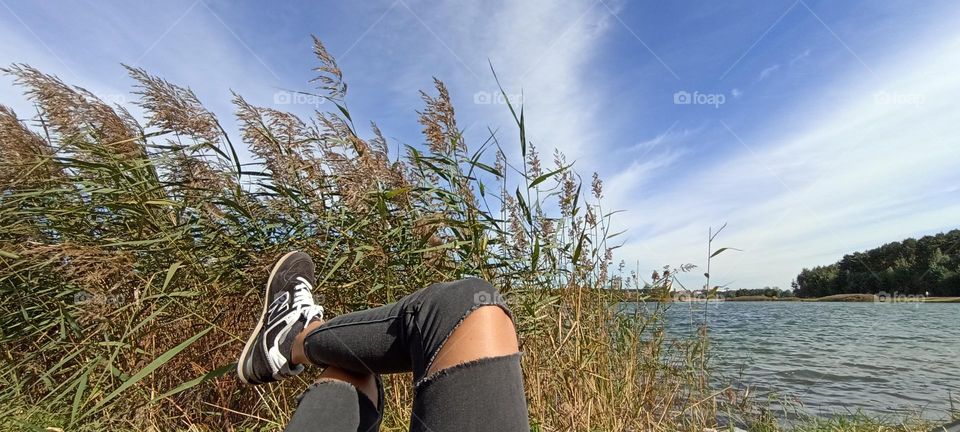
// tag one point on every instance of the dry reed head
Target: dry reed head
(377, 162)
(518, 237)
(330, 76)
(357, 167)
(439, 122)
(568, 184)
(283, 142)
(173, 108)
(25, 157)
(590, 218)
(78, 117)
(533, 162)
(597, 186)
(500, 163)
(192, 178)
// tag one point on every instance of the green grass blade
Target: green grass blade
(147, 370)
(216, 373)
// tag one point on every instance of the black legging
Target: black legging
(481, 395)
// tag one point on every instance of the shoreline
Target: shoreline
(847, 298)
(626, 295)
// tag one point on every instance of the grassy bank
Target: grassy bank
(133, 254)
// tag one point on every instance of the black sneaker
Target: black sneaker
(287, 308)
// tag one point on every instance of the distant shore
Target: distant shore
(863, 298)
(632, 295)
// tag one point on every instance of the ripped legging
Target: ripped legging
(481, 395)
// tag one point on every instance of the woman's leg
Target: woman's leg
(339, 401)
(407, 335)
(458, 340)
(475, 381)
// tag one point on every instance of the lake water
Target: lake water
(884, 359)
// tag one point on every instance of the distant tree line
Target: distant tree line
(930, 265)
(765, 291)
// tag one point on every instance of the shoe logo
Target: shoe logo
(278, 308)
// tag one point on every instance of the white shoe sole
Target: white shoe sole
(256, 331)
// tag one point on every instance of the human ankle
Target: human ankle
(298, 353)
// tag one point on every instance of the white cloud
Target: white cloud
(552, 52)
(648, 159)
(540, 49)
(853, 176)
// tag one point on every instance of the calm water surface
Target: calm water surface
(885, 359)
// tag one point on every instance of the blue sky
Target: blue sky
(814, 128)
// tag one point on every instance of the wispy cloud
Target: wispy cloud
(546, 59)
(633, 180)
(767, 71)
(799, 57)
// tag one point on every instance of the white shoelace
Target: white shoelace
(303, 295)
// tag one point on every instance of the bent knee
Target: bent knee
(485, 331)
(467, 304)
(490, 319)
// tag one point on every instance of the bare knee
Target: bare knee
(486, 332)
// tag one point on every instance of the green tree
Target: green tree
(912, 266)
